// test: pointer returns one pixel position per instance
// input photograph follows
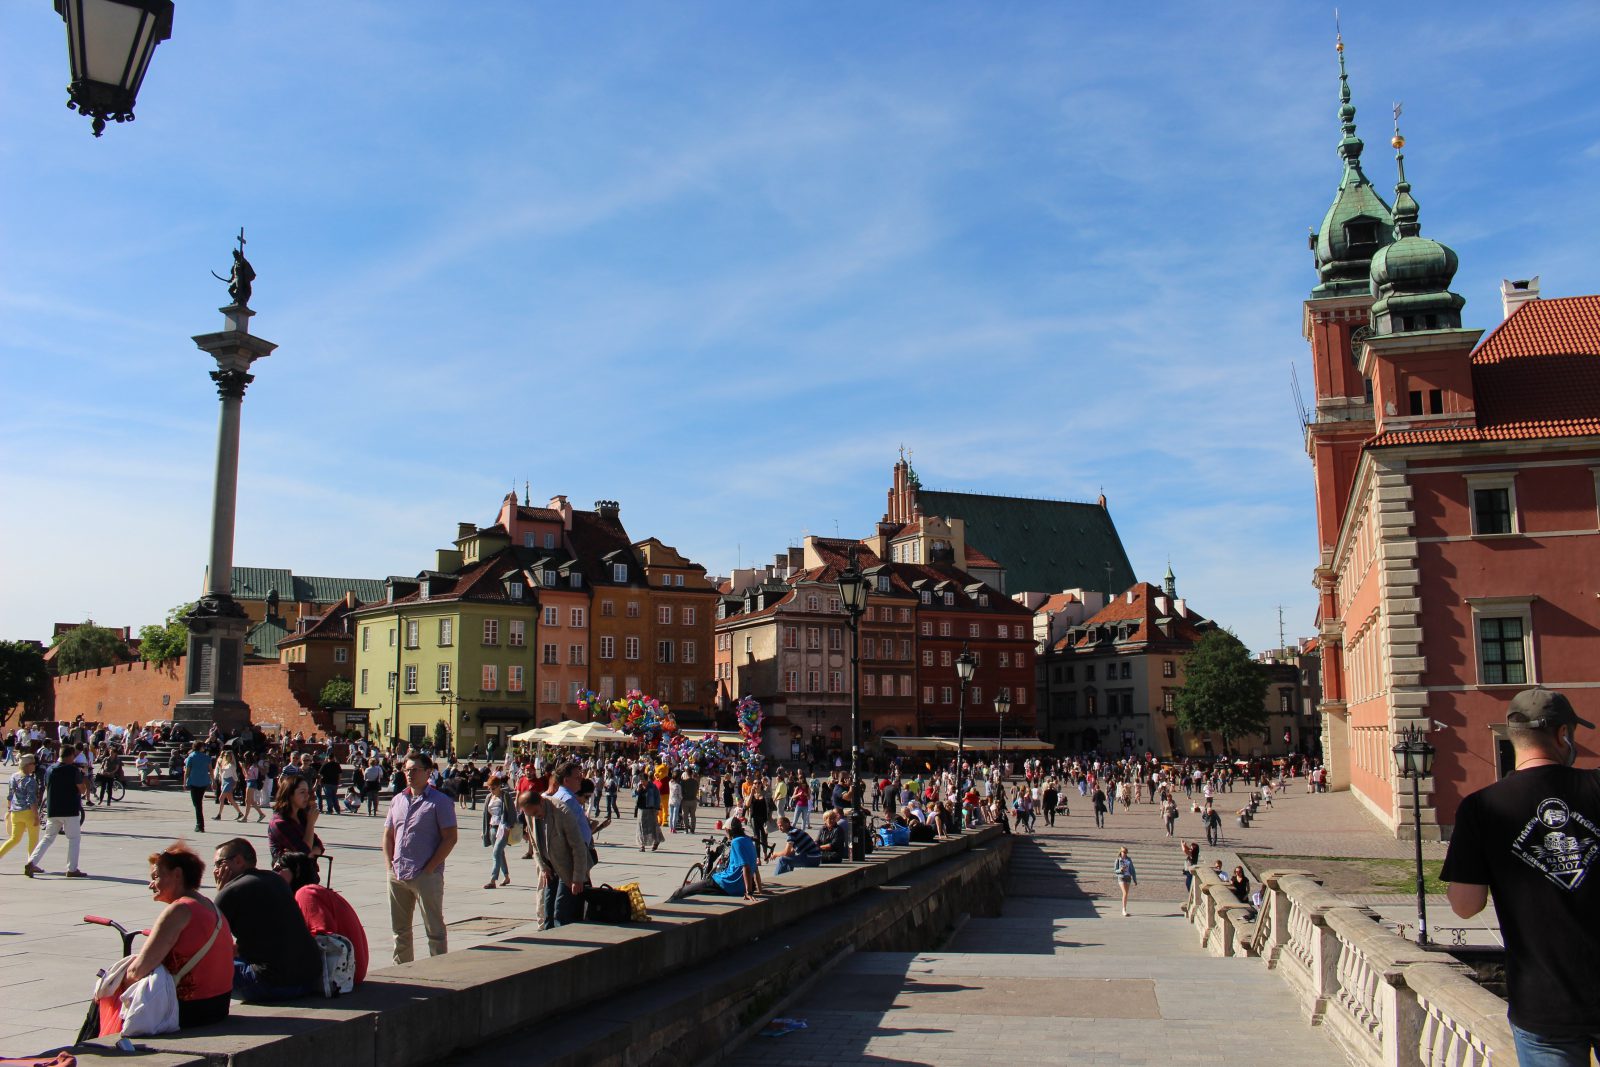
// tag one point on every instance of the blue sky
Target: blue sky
(717, 261)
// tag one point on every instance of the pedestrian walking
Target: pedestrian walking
(418, 833)
(497, 819)
(197, 779)
(1126, 876)
(1169, 814)
(1099, 807)
(227, 773)
(65, 787)
(23, 805)
(647, 801)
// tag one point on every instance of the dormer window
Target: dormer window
(883, 583)
(983, 600)
(575, 580)
(551, 578)
(514, 590)
(619, 572)
(1362, 236)
(949, 600)
(927, 596)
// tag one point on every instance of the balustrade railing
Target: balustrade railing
(1387, 1001)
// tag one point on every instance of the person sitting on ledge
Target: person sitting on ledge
(831, 841)
(742, 872)
(801, 851)
(275, 956)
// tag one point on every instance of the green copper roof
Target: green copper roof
(1358, 223)
(264, 638)
(1411, 277)
(254, 583)
(1045, 546)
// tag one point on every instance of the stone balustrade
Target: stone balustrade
(1385, 1000)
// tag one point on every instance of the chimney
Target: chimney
(606, 509)
(465, 530)
(1180, 609)
(1513, 294)
(797, 559)
(349, 598)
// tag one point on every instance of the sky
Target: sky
(718, 261)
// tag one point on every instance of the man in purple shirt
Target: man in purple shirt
(418, 833)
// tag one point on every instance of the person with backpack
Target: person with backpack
(647, 800)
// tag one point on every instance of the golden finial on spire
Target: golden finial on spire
(1398, 141)
(1338, 34)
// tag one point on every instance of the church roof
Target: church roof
(1042, 544)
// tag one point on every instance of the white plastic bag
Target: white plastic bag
(149, 1006)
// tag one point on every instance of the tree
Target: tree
(337, 693)
(1223, 689)
(23, 675)
(88, 646)
(167, 642)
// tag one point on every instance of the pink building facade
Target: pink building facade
(1458, 502)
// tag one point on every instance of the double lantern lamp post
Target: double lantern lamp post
(853, 595)
(966, 666)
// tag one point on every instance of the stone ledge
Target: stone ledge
(421, 1012)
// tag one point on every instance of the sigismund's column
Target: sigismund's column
(214, 666)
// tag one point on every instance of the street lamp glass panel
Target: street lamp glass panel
(109, 45)
(853, 591)
(1002, 704)
(966, 663)
(1402, 758)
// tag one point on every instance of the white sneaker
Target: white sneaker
(1124, 913)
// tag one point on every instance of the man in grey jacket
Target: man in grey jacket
(562, 856)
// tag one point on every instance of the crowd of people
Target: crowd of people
(278, 933)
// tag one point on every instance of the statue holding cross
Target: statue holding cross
(240, 277)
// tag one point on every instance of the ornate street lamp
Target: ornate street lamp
(1413, 758)
(966, 663)
(109, 44)
(853, 594)
(1002, 708)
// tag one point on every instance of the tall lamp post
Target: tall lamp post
(1002, 708)
(853, 595)
(109, 45)
(1413, 758)
(966, 663)
(214, 665)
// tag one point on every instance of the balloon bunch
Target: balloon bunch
(749, 717)
(589, 702)
(707, 753)
(645, 717)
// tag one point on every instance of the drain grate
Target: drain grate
(488, 924)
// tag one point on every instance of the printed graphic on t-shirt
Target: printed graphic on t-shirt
(1558, 842)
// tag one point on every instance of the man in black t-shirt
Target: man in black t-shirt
(1533, 840)
(275, 957)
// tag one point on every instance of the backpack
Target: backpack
(338, 964)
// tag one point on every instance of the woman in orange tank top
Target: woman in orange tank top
(182, 931)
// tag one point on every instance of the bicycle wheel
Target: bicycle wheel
(118, 791)
(696, 873)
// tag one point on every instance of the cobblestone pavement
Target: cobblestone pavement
(1061, 976)
(48, 956)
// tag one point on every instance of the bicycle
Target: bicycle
(716, 860)
(91, 1023)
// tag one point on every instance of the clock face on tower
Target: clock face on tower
(1358, 337)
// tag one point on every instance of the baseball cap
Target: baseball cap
(1543, 707)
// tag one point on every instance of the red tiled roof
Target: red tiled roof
(328, 627)
(1536, 376)
(976, 557)
(1142, 610)
(1058, 601)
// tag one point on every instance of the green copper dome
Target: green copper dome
(1358, 223)
(1411, 277)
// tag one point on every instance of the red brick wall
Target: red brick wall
(133, 693)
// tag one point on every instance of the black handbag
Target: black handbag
(603, 904)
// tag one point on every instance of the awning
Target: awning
(918, 744)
